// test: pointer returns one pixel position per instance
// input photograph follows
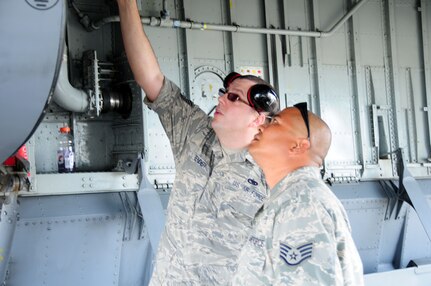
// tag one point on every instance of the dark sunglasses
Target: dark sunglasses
(302, 106)
(231, 96)
(261, 97)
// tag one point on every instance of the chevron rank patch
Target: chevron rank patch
(295, 255)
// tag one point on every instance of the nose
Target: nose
(262, 127)
(222, 97)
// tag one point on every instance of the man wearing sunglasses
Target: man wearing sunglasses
(302, 235)
(218, 188)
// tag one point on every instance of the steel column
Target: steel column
(391, 74)
(357, 79)
(425, 11)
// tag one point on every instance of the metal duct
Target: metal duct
(30, 55)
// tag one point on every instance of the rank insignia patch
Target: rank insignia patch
(295, 255)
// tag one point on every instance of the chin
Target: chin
(216, 126)
(253, 146)
(214, 123)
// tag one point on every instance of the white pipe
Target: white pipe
(67, 96)
(173, 23)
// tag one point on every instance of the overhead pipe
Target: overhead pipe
(172, 23)
(67, 96)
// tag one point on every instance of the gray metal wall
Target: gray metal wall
(370, 81)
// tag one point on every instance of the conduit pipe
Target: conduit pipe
(172, 23)
(67, 96)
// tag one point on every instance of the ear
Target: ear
(258, 121)
(301, 146)
(305, 144)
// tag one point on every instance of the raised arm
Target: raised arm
(140, 54)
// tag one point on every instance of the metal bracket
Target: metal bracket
(396, 199)
(128, 224)
(379, 114)
(340, 174)
(411, 193)
(151, 207)
(91, 76)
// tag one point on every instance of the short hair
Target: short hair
(255, 79)
(258, 84)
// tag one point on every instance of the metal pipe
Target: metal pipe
(165, 13)
(165, 5)
(67, 96)
(172, 23)
(97, 25)
(344, 19)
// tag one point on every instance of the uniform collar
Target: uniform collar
(230, 156)
(250, 158)
(298, 174)
(234, 156)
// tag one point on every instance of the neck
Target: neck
(235, 141)
(275, 173)
(231, 151)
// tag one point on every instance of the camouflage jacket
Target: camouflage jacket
(213, 201)
(301, 237)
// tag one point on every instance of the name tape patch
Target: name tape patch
(200, 161)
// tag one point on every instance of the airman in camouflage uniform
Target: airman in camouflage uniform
(302, 235)
(218, 188)
(215, 197)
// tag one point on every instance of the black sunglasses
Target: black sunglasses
(231, 96)
(302, 106)
(261, 97)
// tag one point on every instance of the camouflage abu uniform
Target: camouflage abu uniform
(213, 201)
(301, 237)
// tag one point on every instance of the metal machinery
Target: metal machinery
(364, 66)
